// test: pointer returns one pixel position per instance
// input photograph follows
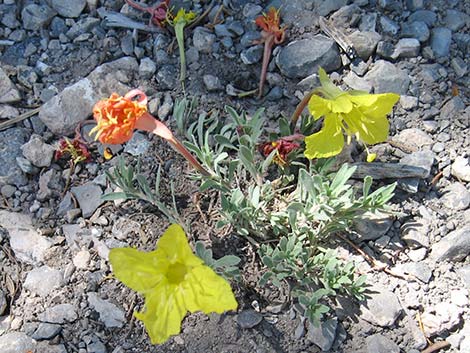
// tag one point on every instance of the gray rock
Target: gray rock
(203, 39)
(426, 16)
(422, 159)
(251, 10)
(110, 314)
(8, 91)
(138, 145)
(63, 112)
(459, 66)
(11, 141)
(413, 137)
(89, 197)
(16, 342)
(324, 335)
(381, 344)
(249, 319)
(221, 31)
(454, 247)
(28, 245)
(452, 107)
(391, 5)
(464, 274)
(372, 226)
(381, 307)
(49, 185)
(252, 55)
(67, 8)
(462, 40)
(414, 5)
(409, 102)
(416, 234)
(46, 331)
(3, 302)
(420, 270)
(35, 17)
(46, 347)
(167, 77)
(212, 83)
(441, 38)
(365, 43)
(96, 347)
(461, 169)
(59, 314)
(457, 197)
(81, 27)
(385, 77)
(303, 57)
(43, 280)
(388, 26)
(165, 108)
(147, 68)
(456, 20)
(324, 8)
(38, 152)
(356, 82)
(66, 204)
(368, 22)
(406, 48)
(82, 259)
(385, 49)
(417, 29)
(443, 317)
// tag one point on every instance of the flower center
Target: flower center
(176, 273)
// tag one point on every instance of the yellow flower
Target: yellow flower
(355, 113)
(183, 16)
(173, 281)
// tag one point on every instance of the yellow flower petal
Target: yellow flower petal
(319, 106)
(208, 292)
(368, 129)
(341, 104)
(382, 106)
(328, 142)
(164, 310)
(138, 270)
(173, 245)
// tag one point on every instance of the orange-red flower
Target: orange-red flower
(270, 22)
(75, 149)
(116, 118)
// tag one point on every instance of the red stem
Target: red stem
(268, 47)
(300, 108)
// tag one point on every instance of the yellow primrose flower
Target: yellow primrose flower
(355, 113)
(173, 281)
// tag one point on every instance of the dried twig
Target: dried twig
(436, 346)
(19, 118)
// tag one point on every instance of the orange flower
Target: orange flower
(116, 118)
(283, 147)
(270, 23)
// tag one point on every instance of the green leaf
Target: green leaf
(115, 196)
(284, 127)
(227, 260)
(225, 142)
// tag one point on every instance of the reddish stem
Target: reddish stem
(148, 123)
(268, 48)
(300, 108)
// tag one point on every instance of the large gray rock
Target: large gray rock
(441, 38)
(249, 318)
(386, 77)
(454, 247)
(89, 197)
(43, 280)
(67, 8)
(11, 141)
(16, 342)
(365, 43)
(65, 111)
(426, 16)
(38, 152)
(323, 8)
(324, 335)
(203, 39)
(381, 344)
(418, 30)
(372, 226)
(8, 91)
(442, 318)
(35, 17)
(457, 197)
(415, 234)
(28, 245)
(422, 159)
(302, 58)
(381, 307)
(407, 48)
(110, 314)
(461, 168)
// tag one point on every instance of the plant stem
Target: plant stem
(300, 108)
(179, 32)
(268, 47)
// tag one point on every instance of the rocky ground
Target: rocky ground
(62, 56)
